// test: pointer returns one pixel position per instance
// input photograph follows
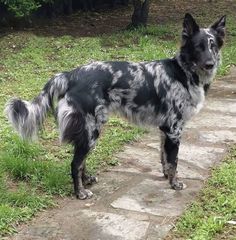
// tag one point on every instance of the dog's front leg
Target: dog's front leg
(163, 156)
(77, 166)
(171, 149)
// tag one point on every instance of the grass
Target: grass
(51, 172)
(31, 174)
(207, 218)
(19, 204)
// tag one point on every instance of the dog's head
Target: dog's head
(201, 46)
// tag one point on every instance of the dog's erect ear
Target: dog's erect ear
(190, 27)
(219, 26)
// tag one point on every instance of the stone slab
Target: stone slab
(201, 157)
(156, 198)
(158, 231)
(212, 120)
(86, 225)
(138, 159)
(188, 171)
(107, 226)
(222, 85)
(192, 160)
(222, 105)
(221, 136)
(108, 184)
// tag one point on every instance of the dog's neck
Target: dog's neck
(195, 75)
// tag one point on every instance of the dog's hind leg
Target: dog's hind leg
(94, 125)
(171, 149)
(77, 166)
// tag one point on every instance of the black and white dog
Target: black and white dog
(164, 94)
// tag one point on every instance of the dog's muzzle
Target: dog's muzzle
(209, 65)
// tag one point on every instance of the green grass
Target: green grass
(216, 204)
(31, 162)
(31, 174)
(19, 203)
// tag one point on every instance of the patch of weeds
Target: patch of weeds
(26, 162)
(162, 32)
(113, 162)
(227, 233)
(19, 205)
(10, 217)
(29, 162)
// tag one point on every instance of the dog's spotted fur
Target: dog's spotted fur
(163, 94)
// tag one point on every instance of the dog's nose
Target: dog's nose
(209, 65)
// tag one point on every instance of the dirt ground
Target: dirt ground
(108, 21)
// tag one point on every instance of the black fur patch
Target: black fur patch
(20, 110)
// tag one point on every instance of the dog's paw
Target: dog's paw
(165, 174)
(89, 180)
(177, 185)
(84, 194)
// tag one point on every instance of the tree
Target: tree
(140, 14)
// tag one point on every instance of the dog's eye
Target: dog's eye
(212, 44)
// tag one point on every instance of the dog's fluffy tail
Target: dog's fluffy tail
(27, 117)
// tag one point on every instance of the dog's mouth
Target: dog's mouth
(207, 70)
(209, 67)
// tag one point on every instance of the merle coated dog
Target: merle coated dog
(164, 94)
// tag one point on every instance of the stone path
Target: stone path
(133, 201)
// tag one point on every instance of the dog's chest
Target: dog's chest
(198, 98)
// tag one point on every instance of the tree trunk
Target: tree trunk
(88, 5)
(68, 9)
(140, 14)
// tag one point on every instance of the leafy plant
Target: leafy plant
(21, 8)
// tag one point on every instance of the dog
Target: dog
(164, 93)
